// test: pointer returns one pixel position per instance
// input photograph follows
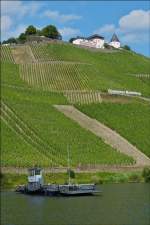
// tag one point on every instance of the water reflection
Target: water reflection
(119, 204)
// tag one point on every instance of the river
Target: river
(119, 204)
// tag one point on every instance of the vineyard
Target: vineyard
(78, 97)
(45, 126)
(42, 54)
(130, 120)
(18, 126)
(54, 76)
(107, 70)
(6, 54)
(34, 132)
(58, 52)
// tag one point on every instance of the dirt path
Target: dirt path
(109, 136)
(23, 54)
(84, 169)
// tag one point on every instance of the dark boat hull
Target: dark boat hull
(79, 193)
(56, 190)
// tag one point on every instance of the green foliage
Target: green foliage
(34, 132)
(71, 173)
(6, 55)
(126, 47)
(22, 38)
(38, 32)
(134, 178)
(51, 31)
(114, 70)
(55, 76)
(107, 46)
(71, 40)
(130, 120)
(12, 180)
(11, 40)
(146, 174)
(30, 30)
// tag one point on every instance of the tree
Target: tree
(10, 41)
(146, 174)
(22, 38)
(51, 31)
(126, 47)
(71, 40)
(30, 30)
(4, 42)
(71, 173)
(38, 32)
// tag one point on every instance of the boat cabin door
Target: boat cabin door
(35, 176)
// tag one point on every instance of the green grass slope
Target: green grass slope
(39, 134)
(114, 70)
(33, 126)
(132, 121)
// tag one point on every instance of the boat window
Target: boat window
(37, 172)
(31, 172)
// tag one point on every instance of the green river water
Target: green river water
(119, 204)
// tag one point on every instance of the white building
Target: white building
(114, 41)
(94, 41)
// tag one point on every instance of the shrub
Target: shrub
(134, 178)
(30, 30)
(146, 174)
(71, 173)
(126, 47)
(95, 179)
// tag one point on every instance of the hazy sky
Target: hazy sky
(130, 20)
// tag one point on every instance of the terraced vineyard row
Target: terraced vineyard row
(78, 97)
(54, 76)
(17, 125)
(6, 55)
(58, 52)
(41, 53)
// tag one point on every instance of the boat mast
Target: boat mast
(68, 165)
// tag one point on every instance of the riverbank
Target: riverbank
(10, 181)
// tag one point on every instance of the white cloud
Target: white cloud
(135, 20)
(16, 8)
(135, 37)
(6, 23)
(62, 18)
(105, 29)
(133, 27)
(68, 31)
(19, 29)
(19, 8)
(13, 13)
(15, 32)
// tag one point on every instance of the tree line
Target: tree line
(49, 31)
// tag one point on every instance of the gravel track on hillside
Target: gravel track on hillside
(108, 135)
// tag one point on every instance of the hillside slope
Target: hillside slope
(59, 74)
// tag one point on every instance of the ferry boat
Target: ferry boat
(78, 189)
(36, 185)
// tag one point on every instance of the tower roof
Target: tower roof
(114, 38)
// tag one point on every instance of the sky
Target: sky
(130, 20)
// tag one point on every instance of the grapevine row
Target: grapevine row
(42, 54)
(6, 54)
(54, 76)
(22, 129)
(83, 97)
